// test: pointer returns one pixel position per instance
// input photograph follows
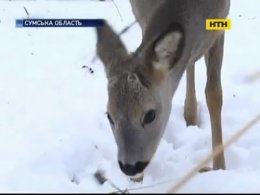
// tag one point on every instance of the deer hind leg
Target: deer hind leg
(213, 92)
(190, 104)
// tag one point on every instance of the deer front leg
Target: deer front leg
(190, 105)
(213, 93)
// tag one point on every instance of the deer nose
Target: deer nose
(132, 170)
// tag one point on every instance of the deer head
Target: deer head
(140, 91)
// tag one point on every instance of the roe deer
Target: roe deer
(141, 85)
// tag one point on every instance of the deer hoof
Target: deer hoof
(205, 169)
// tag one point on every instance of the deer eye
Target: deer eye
(149, 117)
(110, 119)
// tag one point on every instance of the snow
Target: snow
(54, 134)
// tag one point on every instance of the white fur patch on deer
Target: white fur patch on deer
(166, 49)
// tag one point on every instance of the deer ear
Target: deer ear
(167, 50)
(110, 48)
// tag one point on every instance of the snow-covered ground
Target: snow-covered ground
(54, 134)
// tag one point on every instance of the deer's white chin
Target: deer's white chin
(138, 177)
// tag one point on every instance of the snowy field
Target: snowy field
(54, 134)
